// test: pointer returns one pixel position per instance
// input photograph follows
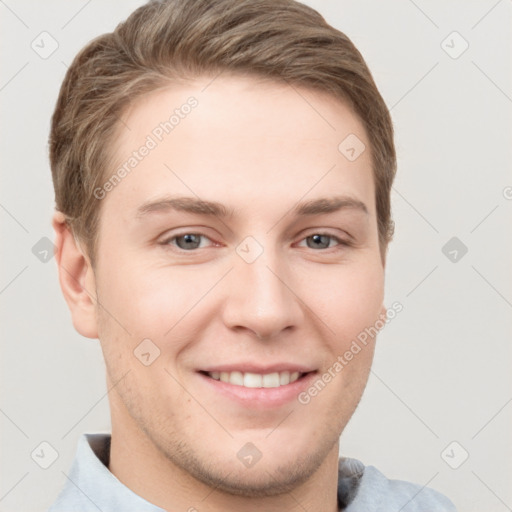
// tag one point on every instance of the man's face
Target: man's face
(277, 285)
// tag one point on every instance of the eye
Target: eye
(187, 241)
(322, 241)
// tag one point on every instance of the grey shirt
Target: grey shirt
(91, 487)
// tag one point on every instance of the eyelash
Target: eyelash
(168, 242)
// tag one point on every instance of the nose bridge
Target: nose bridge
(261, 300)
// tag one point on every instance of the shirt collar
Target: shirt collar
(90, 474)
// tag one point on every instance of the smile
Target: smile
(256, 380)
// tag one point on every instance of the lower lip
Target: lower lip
(260, 397)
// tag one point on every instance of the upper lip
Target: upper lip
(256, 368)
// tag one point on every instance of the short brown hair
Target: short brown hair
(162, 41)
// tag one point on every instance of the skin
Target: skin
(258, 148)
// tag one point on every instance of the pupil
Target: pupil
(321, 240)
(189, 241)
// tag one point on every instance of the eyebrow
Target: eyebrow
(329, 205)
(214, 208)
(185, 204)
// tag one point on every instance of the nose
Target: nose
(261, 298)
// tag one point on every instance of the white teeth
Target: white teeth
(237, 378)
(271, 380)
(256, 380)
(251, 380)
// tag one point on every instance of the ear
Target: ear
(76, 278)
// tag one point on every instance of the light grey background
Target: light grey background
(442, 366)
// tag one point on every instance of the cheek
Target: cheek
(348, 299)
(172, 307)
(149, 301)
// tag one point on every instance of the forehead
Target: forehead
(239, 140)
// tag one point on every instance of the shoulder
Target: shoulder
(377, 493)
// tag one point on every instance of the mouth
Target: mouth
(258, 388)
(256, 380)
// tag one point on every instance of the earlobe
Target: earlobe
(76, 277)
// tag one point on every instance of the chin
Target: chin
(274, 470)
(264, 479)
